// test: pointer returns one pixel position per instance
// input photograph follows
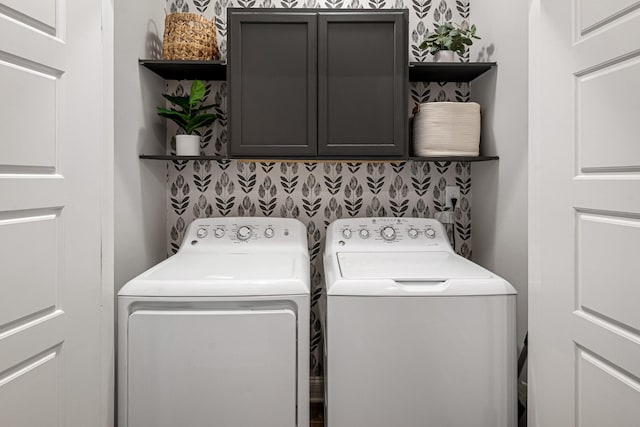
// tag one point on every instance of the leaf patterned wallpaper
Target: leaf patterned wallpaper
(317, 193)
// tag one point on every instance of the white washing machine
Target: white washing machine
(415, 335)
(218, 334)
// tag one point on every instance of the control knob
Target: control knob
(413, 233)
(219, 232)
(364, 233)
(388, 233)
(269, 233)
(346, 233)
(201, 233)
(243, 233)
(430, 233)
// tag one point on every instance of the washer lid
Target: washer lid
(432, 266)
(224, 274)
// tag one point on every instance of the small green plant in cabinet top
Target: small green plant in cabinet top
(449, 36)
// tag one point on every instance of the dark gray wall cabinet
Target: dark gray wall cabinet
(317, 83)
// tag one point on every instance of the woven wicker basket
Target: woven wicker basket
(189, 36)
(447, 129)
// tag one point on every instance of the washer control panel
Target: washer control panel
(252, 232)
(404, 234)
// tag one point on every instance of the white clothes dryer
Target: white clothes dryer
(218, 334)
(415, 334)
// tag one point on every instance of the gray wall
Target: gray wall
(140, 185)
(500, 189)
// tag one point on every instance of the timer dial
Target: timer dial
(244, 233)
(388, 233)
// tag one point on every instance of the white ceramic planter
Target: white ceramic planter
(188, 145)
(444, 56)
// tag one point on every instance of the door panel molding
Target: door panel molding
(605, 393)
(41, 16)
(591, 15)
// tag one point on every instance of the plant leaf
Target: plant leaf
(177, 117)
(197, 92)
(203, 108)
(199, 121)
(180, 101)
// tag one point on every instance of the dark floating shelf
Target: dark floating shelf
(173, 157)
(342, 159)
(326, 159)
(186, 70)
(447, 71)
(418, 71)
(454, 158)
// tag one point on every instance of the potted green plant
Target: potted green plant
(189, 114)
(449, 39)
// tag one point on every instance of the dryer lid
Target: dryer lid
(432, 266)
(225, 266)
(224, 274)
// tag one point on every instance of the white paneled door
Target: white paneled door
(51, 150)
(585, 213)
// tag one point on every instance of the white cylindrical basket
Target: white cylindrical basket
(447, 129)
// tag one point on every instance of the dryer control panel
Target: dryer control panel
(276, 233)
(386, 234)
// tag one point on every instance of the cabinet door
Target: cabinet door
(273, 84)
(362, 84)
